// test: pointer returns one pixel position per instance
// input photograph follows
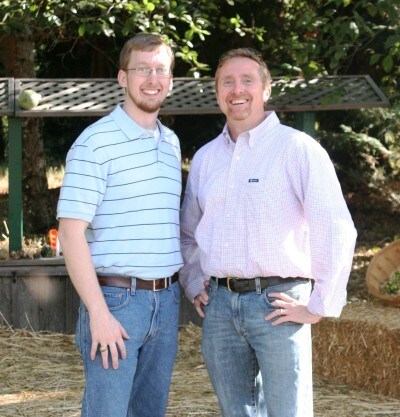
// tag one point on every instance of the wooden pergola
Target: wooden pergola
(97, 97)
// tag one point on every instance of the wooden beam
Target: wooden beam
(15, 212)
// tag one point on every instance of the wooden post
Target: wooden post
(15, 212)
(305, 122)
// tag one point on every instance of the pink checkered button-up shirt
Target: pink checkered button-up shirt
(269, 204)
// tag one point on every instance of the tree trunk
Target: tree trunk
(18, 48)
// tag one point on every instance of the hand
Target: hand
(107, 332)
(201, 300)
(290, 310)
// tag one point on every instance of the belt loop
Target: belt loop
(133, 286)
(216, 282)
(258, 285)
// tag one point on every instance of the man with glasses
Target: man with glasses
(119, 233)
(263, 217)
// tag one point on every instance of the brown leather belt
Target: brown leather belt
(246, 285)
(141, 284)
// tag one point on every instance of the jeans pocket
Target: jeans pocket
(299, 291)
(116, 298)
(175, 291)
(210, 290)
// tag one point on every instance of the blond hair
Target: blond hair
(246, 53)
(144, 42)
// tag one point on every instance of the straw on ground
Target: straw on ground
(41, 376)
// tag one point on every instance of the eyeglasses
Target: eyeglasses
(145, 71)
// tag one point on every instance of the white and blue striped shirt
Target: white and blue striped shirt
(127, 186)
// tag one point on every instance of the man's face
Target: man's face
(240, 91)
(146, 92)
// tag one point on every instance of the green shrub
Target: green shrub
(366, 153)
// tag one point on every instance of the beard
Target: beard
(238, 114)
(147, 106)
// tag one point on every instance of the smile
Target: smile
(241, 101)
(150, 92)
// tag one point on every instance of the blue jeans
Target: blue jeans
(257, 369)
(140, 386)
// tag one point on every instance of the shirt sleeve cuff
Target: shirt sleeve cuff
(74, 215)
(317, 306)
(194, 289)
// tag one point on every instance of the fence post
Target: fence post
(15, 212)
(305, 121)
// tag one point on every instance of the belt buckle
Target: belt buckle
(159, 289)
(228, 285)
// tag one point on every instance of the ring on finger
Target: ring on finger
(281, 311)
(103, 348)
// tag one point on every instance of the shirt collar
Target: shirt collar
(130, 128)
(256, 134)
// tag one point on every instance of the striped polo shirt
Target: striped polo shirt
(127, 186)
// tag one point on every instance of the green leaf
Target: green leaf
(387, 63)
(394, 51)
(150, 7)
(189, 35)
(375, 58)
(393, 40)
(81, 30)
(372, 10)
(313, 65)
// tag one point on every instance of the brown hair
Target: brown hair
(144, 42)
(246, 53)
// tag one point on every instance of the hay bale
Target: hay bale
(361, 349)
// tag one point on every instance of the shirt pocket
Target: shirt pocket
(258, 194)
(266, 197)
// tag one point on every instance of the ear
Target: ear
(171, 85)
(122, 78)
(266, 95)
